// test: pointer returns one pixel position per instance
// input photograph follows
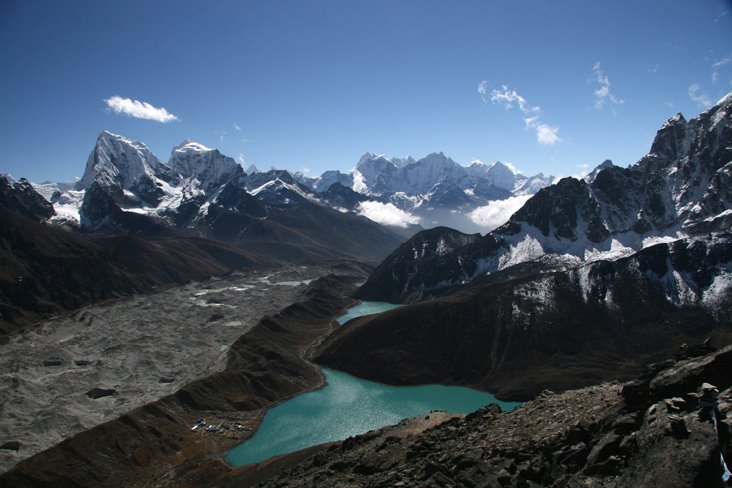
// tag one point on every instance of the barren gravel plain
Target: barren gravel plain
(134, 351)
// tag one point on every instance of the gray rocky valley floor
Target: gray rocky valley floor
(71, 373)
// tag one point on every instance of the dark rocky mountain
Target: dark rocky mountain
(680, 188)
(45, 270)
(590, 177)
(519, 331)
(100, 212)
(21, 197)
(340, 196)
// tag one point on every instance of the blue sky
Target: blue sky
(312, 85)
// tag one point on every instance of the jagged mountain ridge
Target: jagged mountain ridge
(681, 188)
(203, 193)
(435, 188)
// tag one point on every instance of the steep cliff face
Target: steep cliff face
(523, 330)
(208, 167)
(427, 262)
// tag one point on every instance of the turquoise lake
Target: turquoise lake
(366, 308)
(348, 406)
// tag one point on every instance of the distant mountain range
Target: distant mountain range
(435, 189)
(404, 194)
(682, 188)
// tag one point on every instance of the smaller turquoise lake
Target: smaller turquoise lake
(366, 308)
(348, 406)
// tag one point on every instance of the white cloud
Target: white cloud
(718, 65)
(359, 182)
(240, 158)
(545, 134)
(138, 109)
(236, 127)
(699, 97)
(497, 212)
(510, 166)
(386, 214)
(603, 94)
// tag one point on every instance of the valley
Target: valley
(132, 351)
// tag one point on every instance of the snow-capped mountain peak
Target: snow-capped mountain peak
(208, 166)
(118, 162)
(189, 145)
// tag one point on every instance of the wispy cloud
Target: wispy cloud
(603, 93)
(386, 214)
(483, 90)
(240, 158)
(721, 14)
(545, 134)
(719, 65)
(654, 69)
(138, 109)
(699, 96)
(236, 127)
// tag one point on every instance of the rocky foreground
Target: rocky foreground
(648, 432)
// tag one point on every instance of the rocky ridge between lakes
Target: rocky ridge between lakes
(647, 432)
